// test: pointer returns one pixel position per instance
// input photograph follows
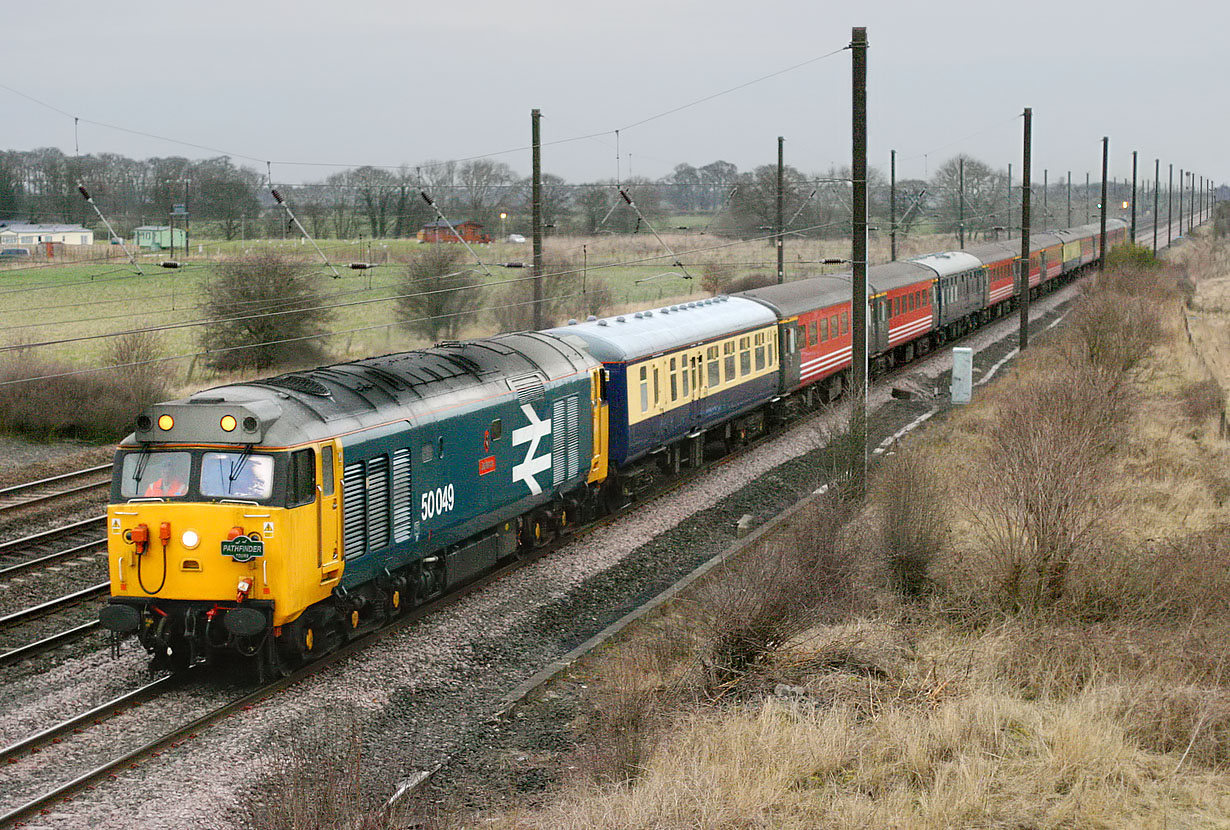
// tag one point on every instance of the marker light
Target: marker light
(228, 423)
(190, 539)
(165, 422)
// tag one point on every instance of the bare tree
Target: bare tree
(265, 306)
(439, 294)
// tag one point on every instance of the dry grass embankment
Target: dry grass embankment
(1027, 627)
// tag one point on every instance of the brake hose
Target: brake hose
(161, 584)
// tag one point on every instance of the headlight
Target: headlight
(190, 539)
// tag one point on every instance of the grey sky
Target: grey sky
(382, 82)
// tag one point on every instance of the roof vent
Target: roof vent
(666, 311)
(300, 383)
(620, 320)
(638, 315)
(648, 313)
(572, 322)
(591, 318)
(603, 323)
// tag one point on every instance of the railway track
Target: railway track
(47, 490)
(50, 624)
(50, 546)
(61, 735)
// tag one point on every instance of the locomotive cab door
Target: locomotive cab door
(328, 514)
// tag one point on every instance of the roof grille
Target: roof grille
(528, 388)
(300, 383)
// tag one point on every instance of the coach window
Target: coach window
(657, 391)
(845, 322)
(674, 380)
(745, 356)
(760, 351)
(644, 389)
(685, 373)
(811, 334)
(834, 330)
(715, 375)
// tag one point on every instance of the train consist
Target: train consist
(276, 519)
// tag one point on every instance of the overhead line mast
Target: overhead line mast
(858, 304)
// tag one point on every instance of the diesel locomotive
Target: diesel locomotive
(275, 519)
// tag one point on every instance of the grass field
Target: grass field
(50, 302)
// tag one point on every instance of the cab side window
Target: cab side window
(326, 469)
(302, 483)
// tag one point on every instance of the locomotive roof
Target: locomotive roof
(631, 336)
(329, 400)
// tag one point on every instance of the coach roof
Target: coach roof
(644, 333)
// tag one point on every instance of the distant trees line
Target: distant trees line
(228, 201)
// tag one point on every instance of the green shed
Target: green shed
(158, 237)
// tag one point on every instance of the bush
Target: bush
(909, 509)
(263, 305)
(567, 293)
(45, 400)
(1202, 400)
(1038, 491)
(139, 368)
(749, 282)
(716, 277)
(793, 580)
(438, 296)
(1131, 255)
(317, 781)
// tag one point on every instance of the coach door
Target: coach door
(328, 512)
(791, 354)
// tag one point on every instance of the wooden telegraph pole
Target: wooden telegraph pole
(1025, 199)
(858, 259)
